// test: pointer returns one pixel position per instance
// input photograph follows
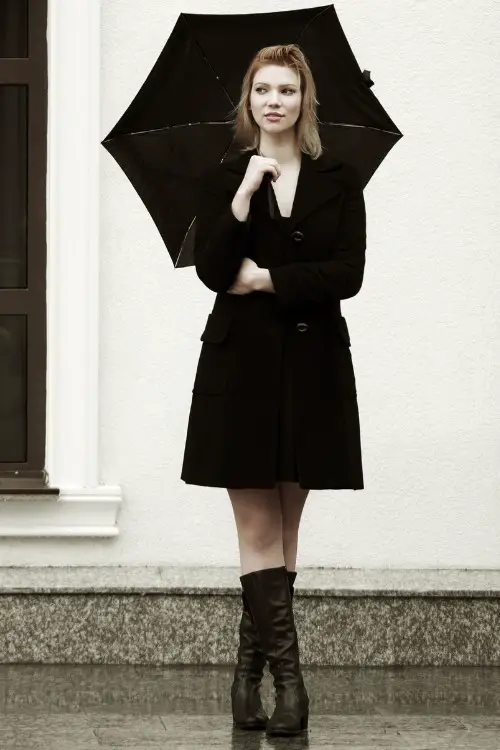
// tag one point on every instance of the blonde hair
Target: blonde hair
(247, 132)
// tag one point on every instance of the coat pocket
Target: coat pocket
(216, 328)
(211, 373)
(350, 377)
(343, 329)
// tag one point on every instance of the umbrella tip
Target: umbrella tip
(367, 79)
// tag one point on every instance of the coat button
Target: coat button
(297, 236)
(301, 327)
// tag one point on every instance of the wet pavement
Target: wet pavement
(106, 707)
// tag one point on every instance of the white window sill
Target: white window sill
(74, 512)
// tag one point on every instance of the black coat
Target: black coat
(315, 260)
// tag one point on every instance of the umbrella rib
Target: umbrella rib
(206, 58)
(320, 13)
(183, 241)
(364, 127)
(165, 127)
(188, 124)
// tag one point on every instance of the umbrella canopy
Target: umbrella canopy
(177, 126)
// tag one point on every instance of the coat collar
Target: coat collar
(317, 183)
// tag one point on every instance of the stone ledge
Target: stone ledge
(164, 615)
(203, 581)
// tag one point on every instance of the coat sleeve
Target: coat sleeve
(318, 283)
(221, 240)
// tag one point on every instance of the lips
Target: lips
(274, 117)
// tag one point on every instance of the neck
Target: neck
(285, 151)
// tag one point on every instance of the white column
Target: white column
(72, 460)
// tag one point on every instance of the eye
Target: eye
(261, 88)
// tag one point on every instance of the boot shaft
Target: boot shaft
(269, 597)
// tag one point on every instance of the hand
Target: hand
(245, 280)
(257, 167)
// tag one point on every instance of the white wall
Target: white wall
(424, 328)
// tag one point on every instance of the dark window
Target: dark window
(23, 250)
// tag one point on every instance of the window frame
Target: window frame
(32, 72)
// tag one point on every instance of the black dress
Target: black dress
(287, 470)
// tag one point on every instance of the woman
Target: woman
(274, 410)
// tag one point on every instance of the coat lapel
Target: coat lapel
(317, 183)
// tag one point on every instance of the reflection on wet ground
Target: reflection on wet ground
(109, 707)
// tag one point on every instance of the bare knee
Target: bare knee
(292, 499)
(258, 518)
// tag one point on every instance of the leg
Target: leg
(258, 521)
(257, 513)
(265, 585)
(292, 500)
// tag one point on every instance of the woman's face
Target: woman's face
(275, 89)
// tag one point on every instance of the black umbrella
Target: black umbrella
(177, 125)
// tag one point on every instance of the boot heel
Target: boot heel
(304, 722)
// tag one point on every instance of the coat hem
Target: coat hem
(267, 486)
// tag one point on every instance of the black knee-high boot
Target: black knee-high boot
(248, 712)
(270, 601)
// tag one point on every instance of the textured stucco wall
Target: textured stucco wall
(424, 328)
